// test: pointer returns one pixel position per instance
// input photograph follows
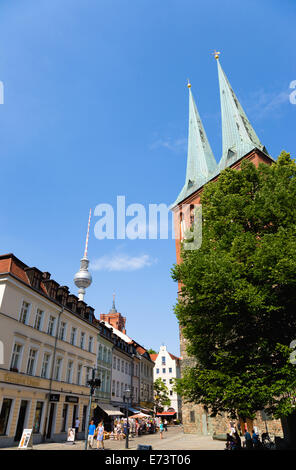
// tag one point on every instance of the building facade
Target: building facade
(52, 343)
(240, 142)
(168, 368)
(140, 366)
(49, 348)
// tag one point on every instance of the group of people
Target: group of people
(121, 428)
(233, 439)
(96, 433)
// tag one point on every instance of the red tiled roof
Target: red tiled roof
(175, 358)
(153, 357)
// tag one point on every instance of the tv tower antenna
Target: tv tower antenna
(82, 278)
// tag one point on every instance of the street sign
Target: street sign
(71, 399)
(26, 439)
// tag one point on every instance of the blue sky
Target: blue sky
(96, 105)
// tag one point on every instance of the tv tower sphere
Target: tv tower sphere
(82, 278)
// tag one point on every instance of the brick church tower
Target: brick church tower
(114, 318)
(239, 142)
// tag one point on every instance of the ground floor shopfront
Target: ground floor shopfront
(28, 403)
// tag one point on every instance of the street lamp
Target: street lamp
(93, 383)
(126, 398)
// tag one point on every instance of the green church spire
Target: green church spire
(238, 135)
(201, 163)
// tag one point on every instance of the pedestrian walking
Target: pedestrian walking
(91, 432)
(165, 423)
(100, 436)
(161, 427)
(255, 439)
(248, 440)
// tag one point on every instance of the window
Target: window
(62, 333)
(126, 367)
(79, 370)
(164, 381)
(51, 323)
(38, 319)
(38, 416)
(82, 339)
(69, 372)
(117, 389)
(15, 360)
(100, 355)
(90, 344)
(163, 360)
(24, 313)
(122, 366)
(45, 365)
(73, 336)
(114, 362)
(163, 371)
(171, 392)
(157, 371)
(121, 390)
(31, 362)
(87, 376)
(171, 381)
(58, 367)
(192, 417)
(118, 364)
(113, 387)
(4, 416)
(170, 370)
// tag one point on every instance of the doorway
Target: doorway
(21, 420)
(50, 420)
(75, 415)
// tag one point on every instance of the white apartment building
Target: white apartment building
(167, 367)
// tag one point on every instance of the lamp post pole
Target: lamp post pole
(93, 384)
(126, 397)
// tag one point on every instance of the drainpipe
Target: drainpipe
(51, 376)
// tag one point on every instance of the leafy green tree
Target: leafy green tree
(161, 395)
(237, 307)
(151, 351)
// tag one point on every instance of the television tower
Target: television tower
(82, 278)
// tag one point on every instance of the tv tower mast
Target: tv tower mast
(82, 278)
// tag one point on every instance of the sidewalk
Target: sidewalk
(174, 439)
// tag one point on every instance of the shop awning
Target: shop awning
(166, 413)
(146, 410)
(110, 410)
(133, 410)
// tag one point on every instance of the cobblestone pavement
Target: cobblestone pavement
(174, 439)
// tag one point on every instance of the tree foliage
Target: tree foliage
(237, 307)
(161, 397)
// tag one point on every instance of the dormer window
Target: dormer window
(34, 276)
